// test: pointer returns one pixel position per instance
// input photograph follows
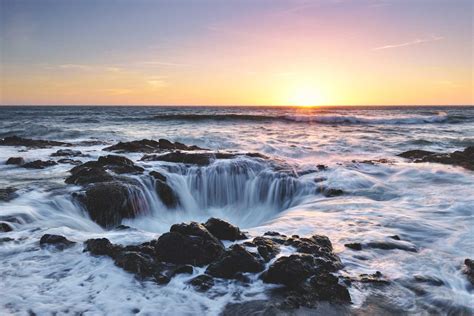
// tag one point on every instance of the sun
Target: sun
(306, 96)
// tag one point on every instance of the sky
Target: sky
(236, 52)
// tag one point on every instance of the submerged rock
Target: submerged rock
(66, 153)
(58, 241)
(101, 247)
(375, 278)
(469, 270)
(354, 246)
(463, 158)
(15, 161)
(33, 143)
(149, 146)
(7, 194)
(109, 202)
(235, 261)
(202, 283)
(39, 164)
(70, 161)
(223, 230)
(4, 227)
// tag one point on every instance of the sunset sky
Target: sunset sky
(321, 52)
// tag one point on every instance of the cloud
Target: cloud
(411, 43)
(76, 66)
(163, 63)
(157, 82)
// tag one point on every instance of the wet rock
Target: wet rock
(428, 280)
(276, 237)
(235, 261)
(158, 176)
(326, 287)
(100, 247)
(66, 153)
(32, 143)
(266, 247)
(202, 283)
(15, 161)
(291, 270)
(463, 158)
(39, 164)
(224, 230)
(390, 246)
(375, 278)
(201, 159)
(70, 161)
(4, 227)
(164, 190)
(469, 270)
(58, 241)
(7, 194)
(149, 146)
(119, 164)
(330, 192)
(135, 262)
(354, 246)
(6, 239)
(318, 246)
(188, 244)
(110, 202)
(396, 237)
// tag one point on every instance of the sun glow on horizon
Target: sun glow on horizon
(306, 96)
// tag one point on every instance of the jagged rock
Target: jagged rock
(276, 237)
(234, 261)
(84, 174)
(202, 283)
(70, 161)
(101, 247)
(376, 278)
(7, 194)
(15, 161)
(109, 202)
(354, 246)
(66, 153)
(390, 246)
(39, 164)
(201, 159)
(223, 230)
(291, 270)
(266, 247)
(326, 287)
(33, 143)
(158, 176)
(318, 246)
(463, 158)
(136, 263)
(119, 164)
(188, 244)
(149, 146)
(4, 227)
(469, 270)
(60, 242)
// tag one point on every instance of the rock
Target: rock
(266, 247)
(330, 192)
(33, 143)
(149, 146)
(223, 230)
(463, 158)
(66, 153)
(469, 270)
(136, 263)
(428, 280)
(110, 202)
(70, 161)
(119, 164)
(101, 247)
(202, 283)
(391, 246)
(4, 227)
(234, 261)
(188, 244)
(60, 242)
(276, 237)
(7, 194)
(158, 176)
(164, 191)
(83, 174)
(291, 270)
(326, 287)
(396, 237)
(354, 246)
(318, 246)
(39, 164)
(376, 278)
(201, 159)
(15, 161)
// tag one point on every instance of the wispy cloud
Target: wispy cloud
(411, 43)
(163, 63)
(76, 66)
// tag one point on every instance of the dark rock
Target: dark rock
(60, 242)
(224, 230)
(7, 194)
(164, 190)
(396, 237)
(70, 161)
(15, 161)
(390, 246)
(291, 270)
(119, 164)
(266, 247)
(135, 262)
(330, 192)
(101, 247)
(184, 269)
(428, 280)
(354, 246)
(158, 176)
(375, 278)
(233, 261)
(322, 167)
(188, 244)
(39, 164)
(326, 287)
(122, 227)
(202, 283)
(469, 270)
(110, 202)
(66, 153)
(4, 227)
(149, 146)
(33, 143)
(463, 158)
(200, 159)
(318, 246)
(6, 239)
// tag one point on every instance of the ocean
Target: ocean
(429, 206)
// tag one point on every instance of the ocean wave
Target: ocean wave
(441, 117)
